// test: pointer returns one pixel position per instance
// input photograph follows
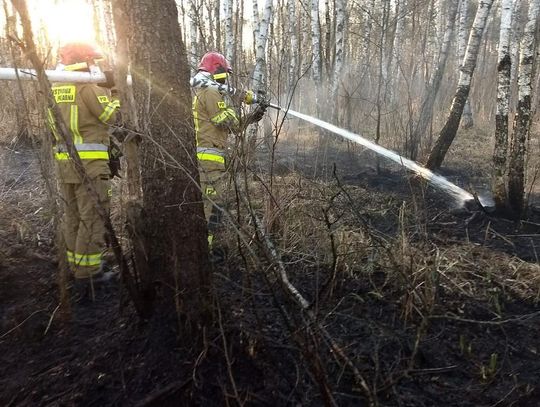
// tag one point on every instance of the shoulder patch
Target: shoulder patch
(222, 105)
(103, 99)
(64, 94)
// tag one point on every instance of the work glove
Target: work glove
(109, 84)
(120, 133)
(114, 159)
(257, 114)
(248, 97)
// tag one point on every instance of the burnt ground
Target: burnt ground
(465, 335)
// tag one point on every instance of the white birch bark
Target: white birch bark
(259, 77)
(522, 119)
(504, 68)
(229, 34)
(341, 12)
(255, 22)
(293, 67)
(467, 118)
(514, 40)
(448, 132)
(259, 73)
(316, 42)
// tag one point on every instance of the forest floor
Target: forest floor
(432, 305)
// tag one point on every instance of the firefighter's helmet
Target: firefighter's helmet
(215, 64)
(78, 55)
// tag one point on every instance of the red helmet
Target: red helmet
(79, 52)
(216, 64)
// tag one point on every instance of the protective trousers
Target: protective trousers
(212, 178)
(83, 228)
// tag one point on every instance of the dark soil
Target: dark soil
(467, 340)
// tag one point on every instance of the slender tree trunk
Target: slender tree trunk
(448, 132)
(293, 65)
(217, 22)
(193, 36)
(467, 117)
(382, 75)
(259, 77)
(504, 68)
(316, 51)
(229, 35)
(175, 227)
(259, 74)
(426, 112)
(522, 119)
(341, 12)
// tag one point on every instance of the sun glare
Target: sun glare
(65, 20)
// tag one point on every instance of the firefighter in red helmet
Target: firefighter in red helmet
(215, 117)
(87, 110)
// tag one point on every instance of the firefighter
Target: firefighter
(87, 110)
(215, 116)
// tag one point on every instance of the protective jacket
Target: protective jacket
(215, 117)
(86, 110)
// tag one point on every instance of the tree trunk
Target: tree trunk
(229, 35)
(341, 12)
(467, 117)
(426, 112)
(522, 119)
(293, 64)
(259, 74)
(316, 52)
(193, 36)
(504, 68)
(448, 132)
(175, 227)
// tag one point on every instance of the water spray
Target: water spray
(462, 196)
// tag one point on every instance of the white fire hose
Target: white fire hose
(94, 76)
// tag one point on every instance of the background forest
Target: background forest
(348, 280)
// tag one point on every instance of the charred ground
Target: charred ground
(433, 306)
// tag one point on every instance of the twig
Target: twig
(227, 358)
(475, 321)
(22, 323)
(51, 319)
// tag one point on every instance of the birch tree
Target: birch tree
(522, 119)
(293, 63)
(259, 75)
(229, 34)
(316, 50)
(467, 117)
(504, 68)
(339, 55)
(448, 132)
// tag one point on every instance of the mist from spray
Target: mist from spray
(436, 180)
